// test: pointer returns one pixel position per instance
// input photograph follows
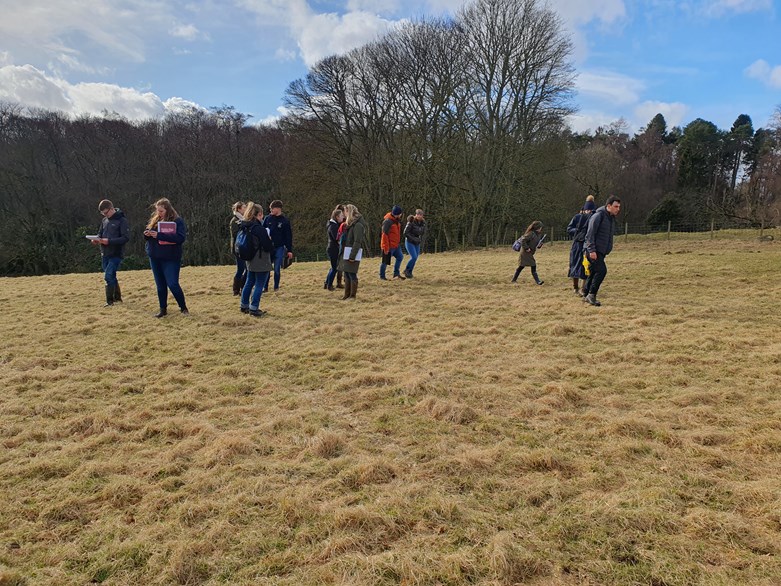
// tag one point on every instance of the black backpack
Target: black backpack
(247, 243)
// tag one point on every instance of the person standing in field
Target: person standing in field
(352, 249)
(113, 234)
(598, 244)
(164, 250)
(413, 238)
(259, 268)
(530, 242)
(577, 230)
(339, 236)
(332, 250)
(281, 235)
(390, 242)
(241, 266)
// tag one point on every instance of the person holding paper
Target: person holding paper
(530, 243)
(352, 249)
(112, 237)
(165, 233)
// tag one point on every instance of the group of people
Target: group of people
(592, 232)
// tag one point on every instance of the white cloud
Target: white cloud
(578, 12)
(590, 121)
(615, 88)
(762, 71)
(5, 58)
(272, 119)
(32, 88)
(285, 54)
(188, 32)
(373, 6)
(721, 7)
(673, 112)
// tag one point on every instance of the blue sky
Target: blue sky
(712, 59)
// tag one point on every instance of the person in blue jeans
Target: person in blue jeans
(113, 234)
(281, 235)
(240, 277)
(413, 238)
(259, 267)
(164, 249)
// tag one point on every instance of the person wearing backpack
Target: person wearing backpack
(112, 237)
(577, 230)
(255, 247)
(530, 242)
(351, 251)
(282, 235)
(240, 277)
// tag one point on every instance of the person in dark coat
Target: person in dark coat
(164, 250)
(332, 250)
(351, 252)
(530, 242)
(241, 267)
(113, 234)
(598, 244)
(577, 230)
(259, 268)
(413, 238)
(282, 235)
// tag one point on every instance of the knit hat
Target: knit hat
(396, 210)
(589, 205)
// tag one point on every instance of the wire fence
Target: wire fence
(625, 232)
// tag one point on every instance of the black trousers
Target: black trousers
(598, 273)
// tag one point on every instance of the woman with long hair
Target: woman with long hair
(259, 267)
(351, 251)
(241, 267)
(577, 230)
(165, 233)
(530, 242)
(332, 250)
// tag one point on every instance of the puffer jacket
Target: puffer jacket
(391, 233)
(117, 231)
(599, 236)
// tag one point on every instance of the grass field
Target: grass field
(452, 429)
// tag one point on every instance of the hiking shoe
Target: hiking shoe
(577, 292)
(592, 300)
(184, 311)
(257, 312)
(244, 309)
(383, 278)
(162, 313)
(540, 282)
(408, 274)
(399, 277)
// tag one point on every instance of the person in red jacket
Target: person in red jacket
(391, 243)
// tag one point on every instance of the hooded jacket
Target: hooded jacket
(261, 262)
(391, 233)
(172, 249)
(599, 235)
(117, 231)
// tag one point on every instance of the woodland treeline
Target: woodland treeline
(464, 117)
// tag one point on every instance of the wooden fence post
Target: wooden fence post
(626, 232)
(669, 226)
(436, 245)
(712, 225)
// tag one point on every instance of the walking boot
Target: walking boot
(353, 289)
(339, 280)
(348, 285)
(162, 313)
(236, 285)
(117, 294)
(109, 295)
(592, 300)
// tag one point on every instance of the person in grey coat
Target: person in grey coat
(259, 268)
(598, 244)
(351, 250)
(530, 242)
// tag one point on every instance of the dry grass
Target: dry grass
(452, 429)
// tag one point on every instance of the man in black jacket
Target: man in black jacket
(112, 237)
(598, 244)
(281, 235)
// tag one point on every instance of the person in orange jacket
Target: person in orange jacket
(391, 243)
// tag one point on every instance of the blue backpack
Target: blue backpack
(247, 244)
(517, 245)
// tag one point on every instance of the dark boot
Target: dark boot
(591, 299)
(109, 295)
(184, 310)
(162, 313)
(117, 294)
(517, 272)
(353, 289)
(339, 280)
(237, 285)
(348, 285)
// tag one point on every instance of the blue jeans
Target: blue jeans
(166, 273)
(414, 253)
(334, 258)
(241, 268)
(110, 267)
(398, 255)
(255, 284)
(279, 256)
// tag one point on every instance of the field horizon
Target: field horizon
(450, 429)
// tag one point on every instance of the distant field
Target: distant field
(452, 429)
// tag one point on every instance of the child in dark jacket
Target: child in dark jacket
(530, 242)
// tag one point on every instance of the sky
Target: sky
(688, 59)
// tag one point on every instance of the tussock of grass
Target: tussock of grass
(479, 432)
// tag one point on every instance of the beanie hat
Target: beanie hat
(589, 205)
(396, 210)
